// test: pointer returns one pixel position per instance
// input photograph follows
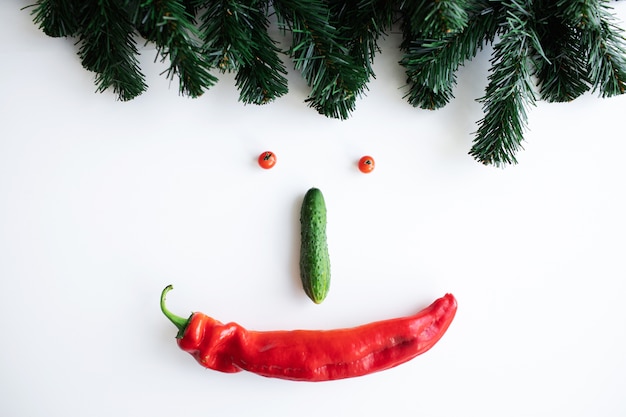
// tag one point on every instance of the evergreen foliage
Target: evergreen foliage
(562, 48)
(57, 18)
(562, 76)
(360, 25)
(118, 68)
(510, 89)
(431, 61)
(552, 50)
(324, 62)
(169, 25)
(235, 39)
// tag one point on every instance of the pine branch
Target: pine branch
(235, 38)
(563, 75)
(226, 33)
(510, 89)
(264, 78)
(607, 60)
(602, 43)
(57, 18)
(360, 24)
(435, 18)
(335, 80)
(108, 48)
(431, 64)
(570, 46)
(192, 7)
(169, 25)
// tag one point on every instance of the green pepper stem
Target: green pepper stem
(179, 322)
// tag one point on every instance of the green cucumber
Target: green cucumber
(314, 259)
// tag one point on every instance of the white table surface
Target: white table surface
(103, 203)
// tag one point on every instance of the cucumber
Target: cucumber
(314, 259)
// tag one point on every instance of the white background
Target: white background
(103, 203)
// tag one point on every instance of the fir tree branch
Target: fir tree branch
(563, 74)
(235, 38)
(571, 46)
(264, 78)
(360, 24)
(435, 18)
(607, 60)
(335, 80)
(107, 47)
(510, 89)
(603, 42)
(431, 64)
(57, 18)
(580, 13)
(168, 24)
(192, 7)
(226, 33)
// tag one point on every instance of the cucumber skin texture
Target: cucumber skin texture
(314, 258)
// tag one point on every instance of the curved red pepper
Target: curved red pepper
(313, 355)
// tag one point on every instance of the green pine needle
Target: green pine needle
(602, 42)
(565, 47)
(235, 38)
(607, 55)
(168, 24)
(433, 19)
(57, 18)
(226, 33)
(325, 63)
(360, 25)
(510, 90)
(563, 75)
(431, 64)
(114, 62)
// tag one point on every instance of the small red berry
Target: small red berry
(366, 164)
(267, 160)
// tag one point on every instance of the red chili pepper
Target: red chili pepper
(312, 355)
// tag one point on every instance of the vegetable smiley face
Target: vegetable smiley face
(312, 355)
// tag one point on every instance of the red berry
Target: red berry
(267, 160)
(366, 164)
